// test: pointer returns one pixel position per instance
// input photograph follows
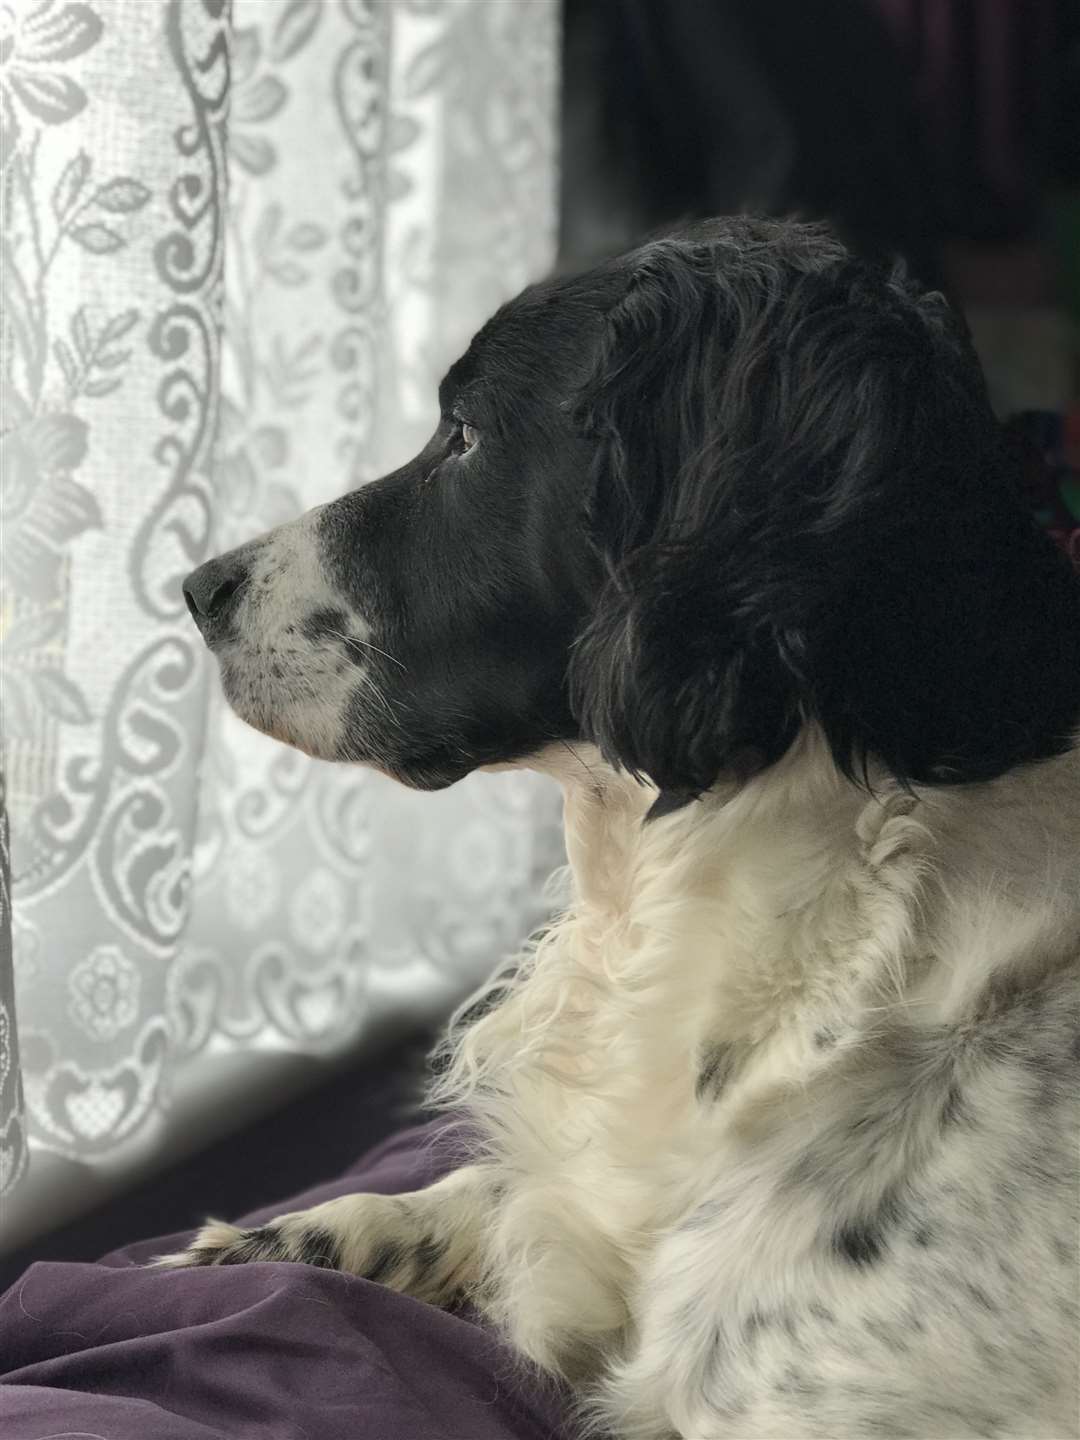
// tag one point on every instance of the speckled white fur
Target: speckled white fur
(641, 1228)
(778, 1125)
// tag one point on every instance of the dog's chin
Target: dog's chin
(277, 728)
(315, 730)
(339, 724)
(422, 773)
(428, 772)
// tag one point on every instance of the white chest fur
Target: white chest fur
(715, 990)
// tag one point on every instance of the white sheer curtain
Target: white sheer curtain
(240, 243)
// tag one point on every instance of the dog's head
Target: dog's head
(683, 505)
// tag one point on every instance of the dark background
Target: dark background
(945, 131)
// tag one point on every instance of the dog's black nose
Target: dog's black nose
(211, 590)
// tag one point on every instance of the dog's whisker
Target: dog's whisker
(375, 691)
(367, 645)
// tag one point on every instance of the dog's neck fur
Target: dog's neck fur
(803, 901)
(749, 942)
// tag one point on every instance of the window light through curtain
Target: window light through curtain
(240, 244)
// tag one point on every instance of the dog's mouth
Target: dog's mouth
(328, 701)
(310, 697)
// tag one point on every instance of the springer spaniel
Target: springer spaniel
(776, 1129)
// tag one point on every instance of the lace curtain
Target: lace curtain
(240, 243)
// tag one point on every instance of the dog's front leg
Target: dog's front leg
(426, 1243)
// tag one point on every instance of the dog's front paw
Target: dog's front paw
(379, 1237)
(219, 1243)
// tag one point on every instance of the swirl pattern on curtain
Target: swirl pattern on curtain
(240, 243)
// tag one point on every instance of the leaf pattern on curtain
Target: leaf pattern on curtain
(241, 242)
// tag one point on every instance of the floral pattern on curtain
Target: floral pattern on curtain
(240, 244)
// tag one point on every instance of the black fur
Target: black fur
(859, 1243)
(262, 1243)
(386, 1260)
(715, 1072)
(805, 510)
(318, 1247)
(476, 569)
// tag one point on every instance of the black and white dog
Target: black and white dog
(778, 1128)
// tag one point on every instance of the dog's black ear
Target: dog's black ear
(806, 512)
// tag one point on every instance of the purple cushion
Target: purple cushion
(267, 1350)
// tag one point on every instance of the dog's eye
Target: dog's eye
(469, 435)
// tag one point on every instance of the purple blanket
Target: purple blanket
(272, 1350)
